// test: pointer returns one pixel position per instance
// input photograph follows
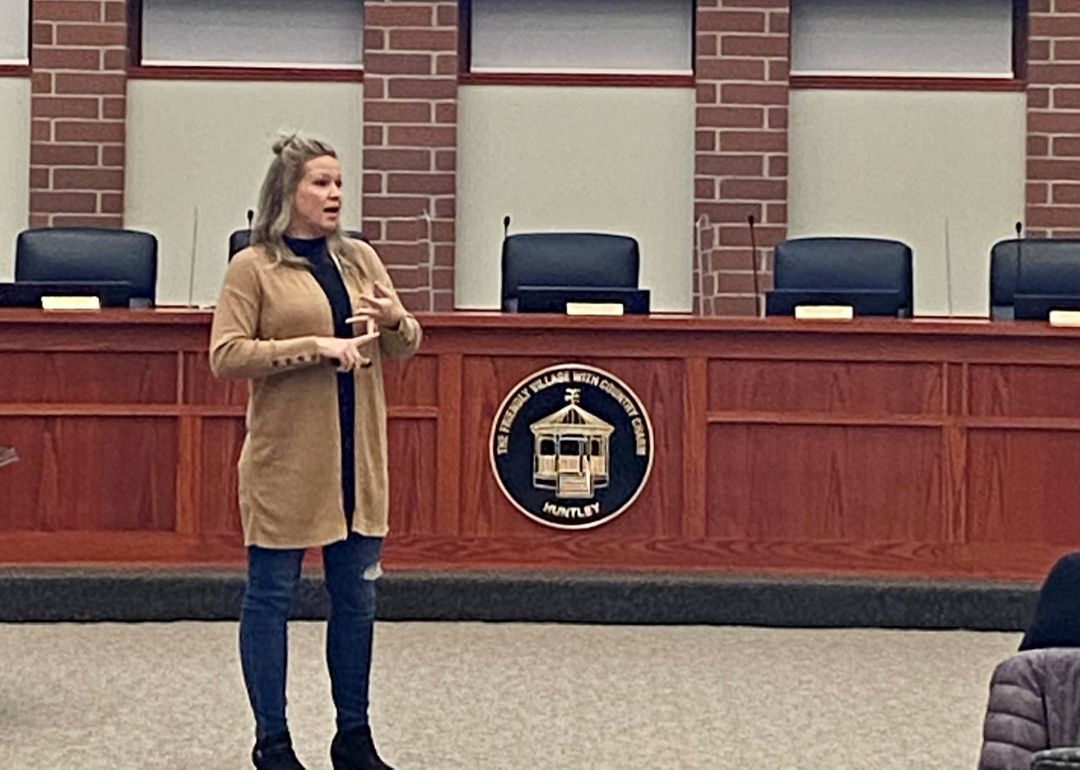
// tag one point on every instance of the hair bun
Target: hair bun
(283, 141)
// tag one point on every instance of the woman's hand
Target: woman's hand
(382, 306)
(346, 349)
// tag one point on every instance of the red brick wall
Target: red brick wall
(741, 147)
(1053, 118)
(78, 107)
(410, 144)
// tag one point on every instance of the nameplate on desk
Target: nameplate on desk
(71, 303)
(594, 308)
(824, 312)
(1064, 317)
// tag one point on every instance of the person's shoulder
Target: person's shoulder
(248, 263)
(251, 257)
(362, 248)
(365, 256)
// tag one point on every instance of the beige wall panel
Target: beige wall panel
(14, 168)
(196, 155)
(941, 171)
(615, 160)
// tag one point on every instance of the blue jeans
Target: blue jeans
(351, 565)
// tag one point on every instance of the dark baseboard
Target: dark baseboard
(54, 595)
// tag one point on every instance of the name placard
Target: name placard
(594, 308)
(71, 303)
(1064, 317)
(824, 312)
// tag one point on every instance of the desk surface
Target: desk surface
(930, 447)
(656, 321)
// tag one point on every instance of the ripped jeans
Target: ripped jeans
(352, 566)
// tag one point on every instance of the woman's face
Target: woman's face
(316, 208)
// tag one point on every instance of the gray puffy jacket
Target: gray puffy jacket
(1034, 704)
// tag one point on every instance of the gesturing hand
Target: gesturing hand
(382, 306)
(346, 349)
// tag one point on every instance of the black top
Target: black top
(329, 278)
(1056, 620)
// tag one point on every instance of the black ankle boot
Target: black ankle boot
(275, 752)
(354, 750)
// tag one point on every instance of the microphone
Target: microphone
(194, 253)
(506, 226)
(429, 251)
(948, 273)
(703, 223)
(250, 218)
(1019, 227)
(754, 265)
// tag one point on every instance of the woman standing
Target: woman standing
(307, 315)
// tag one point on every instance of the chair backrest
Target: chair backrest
(1005, 257)
(239, 239)
(567, 259)
(80, 254)
(849, 264)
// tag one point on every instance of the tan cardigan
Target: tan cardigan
(264, 330)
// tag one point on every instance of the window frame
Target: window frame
(1016, 82)
(137, 70)
(20, 67)
(569, 78)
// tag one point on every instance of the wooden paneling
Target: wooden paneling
(1025, 391)
(413, 478)
(826, 386)
(484, 510)
(88, 378)
(448, 445)
(812, 483)
(695, 441)
(412, 382)
(594, 550)
(218, 509)
(89, 474)
(1024, 487)
(202, 387)
(875, 447)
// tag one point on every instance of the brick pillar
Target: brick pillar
(78, 107)
(741, 147)
(1053, 119)
(410, 144)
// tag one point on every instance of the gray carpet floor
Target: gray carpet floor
(474, 695)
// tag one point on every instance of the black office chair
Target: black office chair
(86, 254)
(239, 239)
(873, 274)
(590, 260)
(1005, 257)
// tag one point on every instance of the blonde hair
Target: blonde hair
(292, 151)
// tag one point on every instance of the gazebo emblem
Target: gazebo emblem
(571, 446)
(570, 450)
